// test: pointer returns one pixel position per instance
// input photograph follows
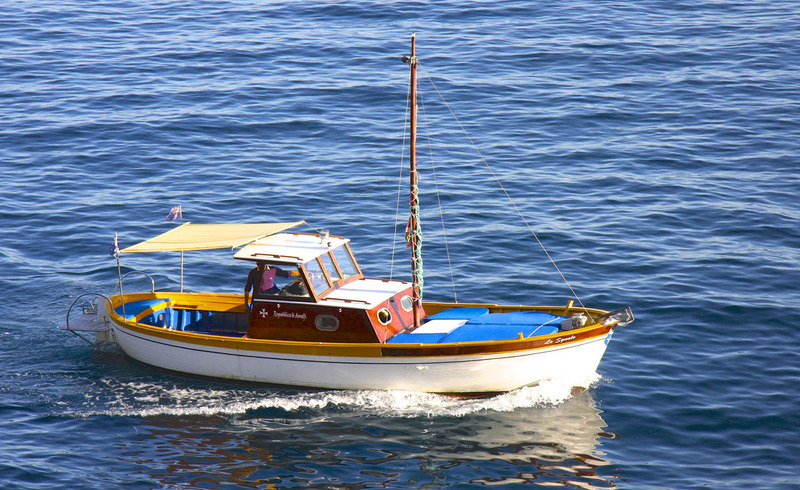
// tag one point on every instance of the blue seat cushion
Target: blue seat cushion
(504, 326)
(477, 333)
(483, 326)
(416, 338)
(458, 314)
(133, 308)
(518, 318)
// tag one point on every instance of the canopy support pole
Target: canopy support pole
(181, 270)
(121, 292)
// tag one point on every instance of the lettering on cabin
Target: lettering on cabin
(289, 314)
(282, 314)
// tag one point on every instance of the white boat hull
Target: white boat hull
(478, 373)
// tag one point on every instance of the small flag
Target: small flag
(175, 214)
(114, 250)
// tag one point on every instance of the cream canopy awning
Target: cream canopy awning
(207, 237)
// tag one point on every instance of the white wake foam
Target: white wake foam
(112, 397)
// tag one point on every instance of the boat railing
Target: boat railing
(119, 283)
(122, 294)
(89, 315)
(622, 316)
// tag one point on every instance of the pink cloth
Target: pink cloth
(268, 279)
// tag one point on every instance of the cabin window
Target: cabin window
(384, 316)
(318, 280)
(285, 281)
(333, 273)
(345, 261)
(407, 303)
(326, 323)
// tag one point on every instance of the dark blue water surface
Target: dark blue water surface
(653, 147)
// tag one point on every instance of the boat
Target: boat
(315, 321)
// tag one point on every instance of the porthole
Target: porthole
(384, 316)
(326, 323)
(407, 303)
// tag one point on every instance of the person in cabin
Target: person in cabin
(261, 279)
(253, 281)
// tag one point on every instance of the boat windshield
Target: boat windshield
(318, 280)
(327, 261)
(345, 261)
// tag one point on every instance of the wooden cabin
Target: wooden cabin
(316, 292)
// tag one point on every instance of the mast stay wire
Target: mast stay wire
(438, 196)
(378, 184)
(436, 184)
(399, 189)
(508, 196)
(400, 180)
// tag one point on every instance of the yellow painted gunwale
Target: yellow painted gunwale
(235, 302)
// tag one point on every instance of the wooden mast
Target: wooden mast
(416, 257)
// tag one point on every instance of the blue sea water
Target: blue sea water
(653, 147)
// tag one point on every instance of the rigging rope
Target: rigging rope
(438, 198)
(417, 260)
(508, 196)
(400, 180)
(414, 236)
